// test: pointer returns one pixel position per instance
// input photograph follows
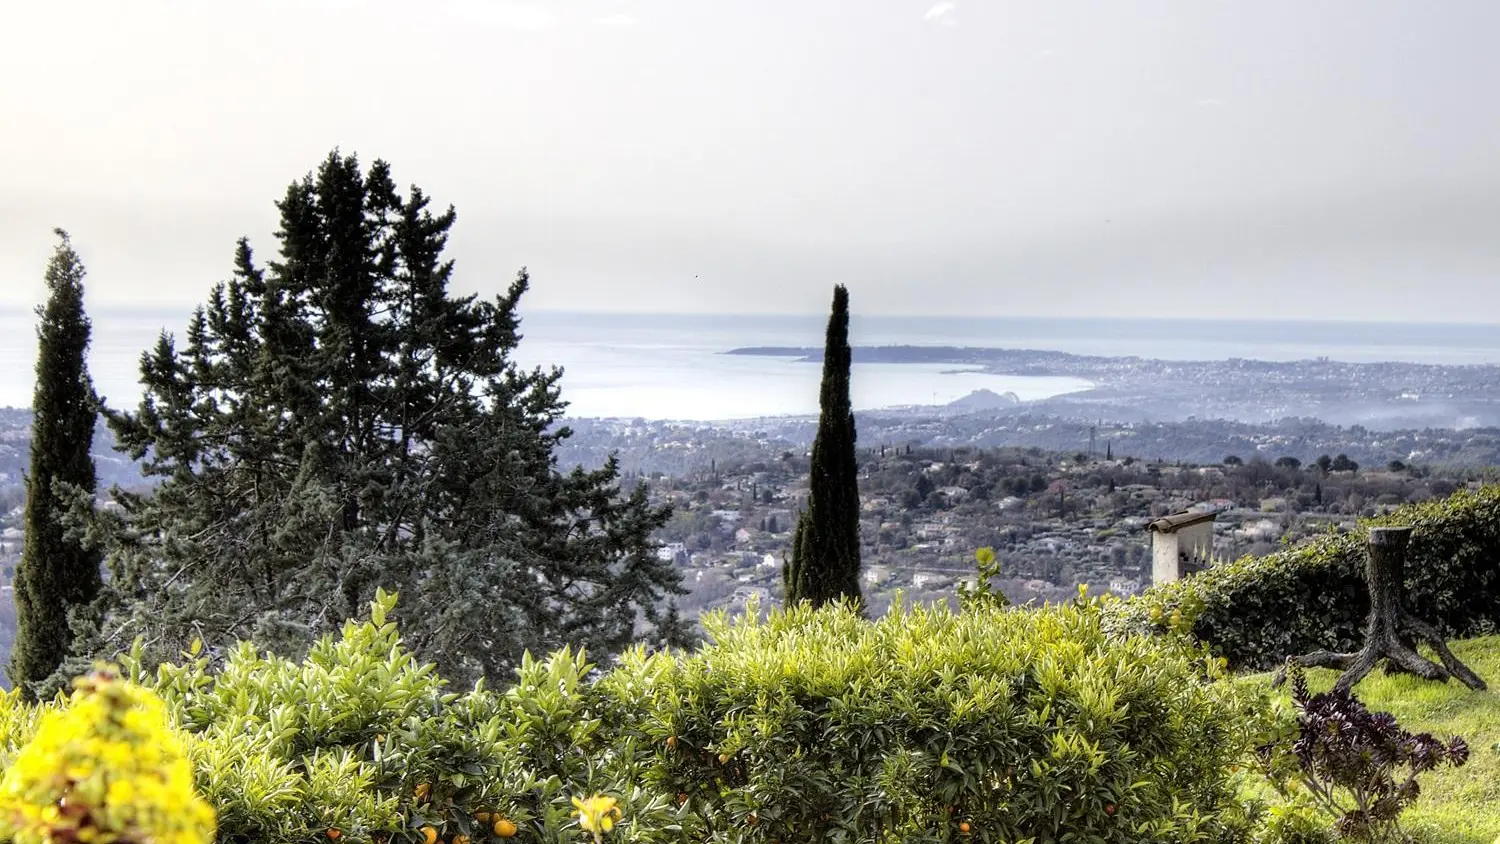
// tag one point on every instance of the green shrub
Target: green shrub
(358, 742)
(925, 726)
(1257, 611)
(929, 725)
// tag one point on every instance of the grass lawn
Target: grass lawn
(1458, 805)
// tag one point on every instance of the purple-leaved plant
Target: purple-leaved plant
(1361, 766)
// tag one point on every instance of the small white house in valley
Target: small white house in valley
(1180, 545)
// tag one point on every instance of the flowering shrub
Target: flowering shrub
(106, 769)
(1359, 766)
(596, 815)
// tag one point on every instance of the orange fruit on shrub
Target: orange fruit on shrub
(1109, 809)
(723, 758)
(963, 827)
(671, 742)
(504, 828)
(334, 833)
(429, 835)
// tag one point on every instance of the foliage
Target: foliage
(361, 739)
(982, 594)
(1359, 767)
(338, 421)
(925, 726)
(1256, 611)
(58, 569)
(1457, 805)
(358, 742)
(812, 725)
(106, 769)
(825, 558)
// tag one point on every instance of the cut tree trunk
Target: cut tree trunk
(1390, 628)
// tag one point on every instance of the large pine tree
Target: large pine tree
(58, 570)
(825, 560)
(338, 421)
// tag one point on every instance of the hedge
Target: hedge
(1256, 611)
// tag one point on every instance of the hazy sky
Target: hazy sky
(1264, 158)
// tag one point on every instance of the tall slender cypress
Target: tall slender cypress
(825, 546)
(56, 571)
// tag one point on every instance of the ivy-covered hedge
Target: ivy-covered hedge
(1256, 611)
(988, 725)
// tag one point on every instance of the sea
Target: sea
(674, 366)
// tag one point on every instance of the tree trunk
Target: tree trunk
(1390, 628)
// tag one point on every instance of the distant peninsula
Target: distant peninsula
(1378, 395)
(1013, 361)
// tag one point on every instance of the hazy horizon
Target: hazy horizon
(675, 366)
(1223, 159)
(185, 307)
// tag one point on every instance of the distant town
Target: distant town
(1063, 489)
(1055, 520)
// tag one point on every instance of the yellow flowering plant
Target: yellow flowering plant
(107, 768)
(596, 815)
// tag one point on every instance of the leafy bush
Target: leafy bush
(991, 725)
(359, 742)
(1256, 611)
(106, 769)
(1359, 766)
(813, 725)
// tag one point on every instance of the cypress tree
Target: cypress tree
(825, 544)
(56, 571)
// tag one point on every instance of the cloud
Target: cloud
(942, 12)
(1211, 102)
(616, 19)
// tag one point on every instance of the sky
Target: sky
(1198, 158)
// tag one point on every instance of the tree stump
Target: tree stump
(1390, 627)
